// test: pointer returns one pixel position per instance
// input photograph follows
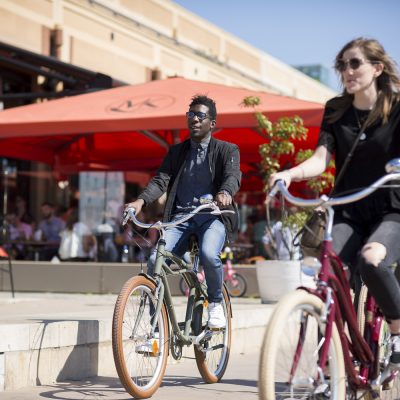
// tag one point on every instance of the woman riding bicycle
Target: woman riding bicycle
(365, 233)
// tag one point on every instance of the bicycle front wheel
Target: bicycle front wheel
(289, 362)
(140, 355)
(212, 355)
(236, 285)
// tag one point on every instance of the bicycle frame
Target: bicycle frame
(332, 285)
(162, 270)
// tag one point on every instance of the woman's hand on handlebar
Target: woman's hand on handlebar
(283, 175)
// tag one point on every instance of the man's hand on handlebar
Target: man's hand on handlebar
(223, 199)
(137, 205)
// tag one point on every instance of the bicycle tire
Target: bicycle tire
(361, 309)
(212, 363)
(392, 389)
(239, 289)
(274, 359)
(140, 371)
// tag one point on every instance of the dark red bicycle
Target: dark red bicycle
(316, 345)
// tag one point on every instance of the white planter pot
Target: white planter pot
(277, 277)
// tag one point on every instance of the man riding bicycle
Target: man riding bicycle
(198, 166)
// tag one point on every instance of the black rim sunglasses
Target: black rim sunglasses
(200, 115)
(354, 63)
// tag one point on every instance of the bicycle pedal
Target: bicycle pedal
(216, 329)
(388, 385)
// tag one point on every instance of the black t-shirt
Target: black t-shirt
(380, 144)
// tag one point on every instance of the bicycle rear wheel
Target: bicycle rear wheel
(391, 390)
(140, 357)
(289, 362)
(213, 354)
(236, 286)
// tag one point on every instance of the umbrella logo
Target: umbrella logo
(141, 104)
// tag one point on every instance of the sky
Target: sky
(300, 32)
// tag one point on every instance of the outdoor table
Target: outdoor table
(32, 246)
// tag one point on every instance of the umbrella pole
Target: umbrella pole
(105, 197)
(3, 233)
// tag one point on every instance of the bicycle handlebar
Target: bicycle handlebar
(129, 214)
(325, 201)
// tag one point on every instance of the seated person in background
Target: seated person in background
(77, 242)
(49, 230)
(23, 213)
(17, 230)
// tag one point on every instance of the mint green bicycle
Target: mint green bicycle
(145, 325)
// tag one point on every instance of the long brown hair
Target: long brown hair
(388, 82)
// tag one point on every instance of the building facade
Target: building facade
(135, 41)
(117, 42)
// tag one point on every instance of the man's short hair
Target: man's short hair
(206, 101)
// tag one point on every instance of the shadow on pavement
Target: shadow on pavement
(111, 388)
(96, 388)
(186, 381)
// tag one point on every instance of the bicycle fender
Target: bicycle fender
(149, 277)
(311, 291)
(229, 298)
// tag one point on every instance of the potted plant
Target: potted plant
(277, 277)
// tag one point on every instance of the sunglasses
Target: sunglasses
(354, 63)
(200, 115)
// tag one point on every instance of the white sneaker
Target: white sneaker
(216, 316)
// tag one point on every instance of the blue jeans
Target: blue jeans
(211, 236)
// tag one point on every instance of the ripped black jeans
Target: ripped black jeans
(349, 236)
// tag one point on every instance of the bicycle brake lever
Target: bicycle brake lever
(126, 216)
(272, 193)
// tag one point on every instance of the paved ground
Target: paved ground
(26, 307)
(181, 382)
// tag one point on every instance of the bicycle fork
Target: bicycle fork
(321, 353)
(154, 312)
